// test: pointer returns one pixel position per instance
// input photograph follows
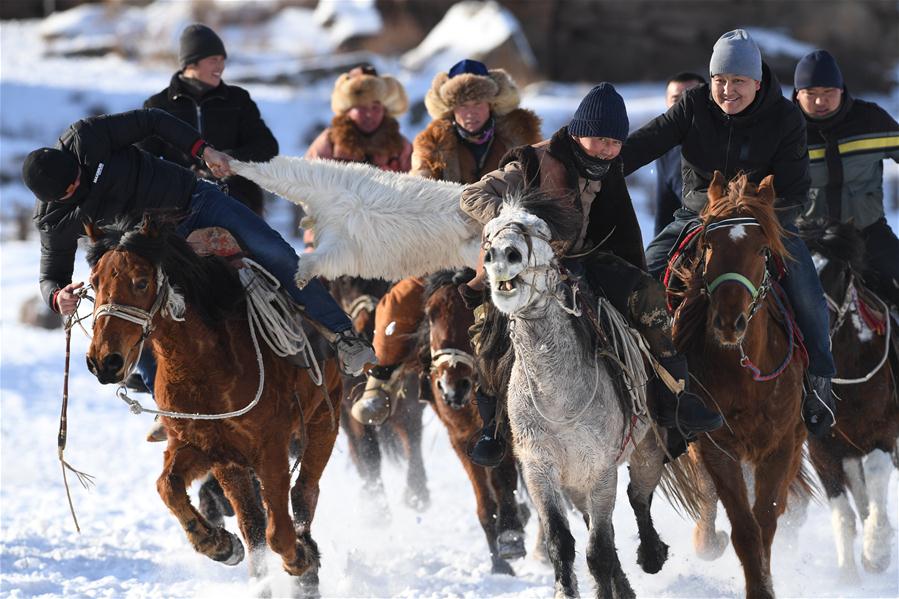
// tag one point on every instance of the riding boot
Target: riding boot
(490, 448)
(683, 411)
(374, 405)
(818, 407)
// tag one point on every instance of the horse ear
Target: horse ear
(716, 187)
(93, 232)
(149, 226)
(766, 189)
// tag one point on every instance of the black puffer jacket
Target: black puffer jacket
(117, 180)
(228, 119)
(768, 138)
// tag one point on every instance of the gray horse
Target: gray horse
(573, 422)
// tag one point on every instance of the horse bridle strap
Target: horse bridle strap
(452, 357)
(139, 316)
(736, 278)
(363, 302)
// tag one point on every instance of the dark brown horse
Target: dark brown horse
(401, 434)
(730, 323)
(151, 287)
(868, 419)
(453, 376)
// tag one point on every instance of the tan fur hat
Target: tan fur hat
(363, 85)
(470, 81)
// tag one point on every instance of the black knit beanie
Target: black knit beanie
(817, 69)
(601, 114)
(48, 172)
(198, 42)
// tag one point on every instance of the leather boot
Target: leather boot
(684, 411)
(818, 407)
(490, 448)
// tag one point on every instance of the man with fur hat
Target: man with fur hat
(580, 166)
(741, 123)
(848, 139)
(224, 114)
(476, 120)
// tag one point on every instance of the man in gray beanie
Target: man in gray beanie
(741, 123)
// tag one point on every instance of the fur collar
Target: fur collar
(353, 145)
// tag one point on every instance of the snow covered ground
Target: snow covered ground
(131, 546)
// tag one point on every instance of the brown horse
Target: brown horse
(151, 287)
(401, 434)
(453, 376)
(868, 419)
(728, 324)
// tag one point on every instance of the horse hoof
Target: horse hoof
(306, 586)
(876, 564)
(510, 544)
(651, 559)
(417, 500)
(234, 554)
(501, 566)
(712, 550)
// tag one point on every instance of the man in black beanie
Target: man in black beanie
(225, 114)
(581, 165)
(95, 175)
(848, 139)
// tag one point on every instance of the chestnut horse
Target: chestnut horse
(453, 377)
(868, 419)
(151, 287)
(732, 326)
(402, 431)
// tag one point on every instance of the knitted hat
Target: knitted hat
(48, 172)
(363, 85)
(601, 114)
(735, 53)
(199, 42)
(470, 81)
(818, 69)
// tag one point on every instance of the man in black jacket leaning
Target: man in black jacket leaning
(96, 175)
(742, 123)
(848, 140)
(225, 115)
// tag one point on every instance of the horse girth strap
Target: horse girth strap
(452, 357)
(736, 278)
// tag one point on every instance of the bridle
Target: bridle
(363, 302)
(452, 357)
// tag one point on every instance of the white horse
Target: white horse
(371, 223)
(572, 423)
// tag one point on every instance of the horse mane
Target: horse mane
(208, 283)
(436, 280)
(560, 215)
(835, 240)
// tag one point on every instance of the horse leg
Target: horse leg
(213, 504)
(503, 481)
(602, 557)
(416, 494)
(746, 535)
(181, 465)
(646, 465)
(708, 542)
(238, 488)
(273, 470)
(364, 451)
(830, 469)
(544, 484)
(878, 533)
(855, 480)
(773, 475)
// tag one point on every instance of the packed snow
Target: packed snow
(130, 545)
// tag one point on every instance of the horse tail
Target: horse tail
(804, 485)
(680, 487)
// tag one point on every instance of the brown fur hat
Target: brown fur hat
(496, 88)
(363, 85)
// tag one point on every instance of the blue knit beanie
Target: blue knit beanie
(601, 114)
(818, 69)
(470, 66)
(735, 53)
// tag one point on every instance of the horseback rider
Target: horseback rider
(848, 140)
(741, 123)
(580, 165)
(364, 127)
(476, 119)
(225, 114)
(96, 175)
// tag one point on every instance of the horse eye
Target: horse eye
(141, 284)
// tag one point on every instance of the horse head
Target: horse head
(741, 234)
(143, 274)
(519, 261)
(453, 367)
(359, 298)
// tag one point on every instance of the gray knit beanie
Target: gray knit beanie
(198, 42)
(735, 53)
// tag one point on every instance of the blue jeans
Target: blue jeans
(209, 207)
(800, 282)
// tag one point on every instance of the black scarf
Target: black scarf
(194, 87)
(589, 167)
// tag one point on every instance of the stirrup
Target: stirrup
(374, 406)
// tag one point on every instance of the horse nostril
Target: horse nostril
(488, 255)
(462, 388)
(440, 385)
(113, 363)
(719, 324)
(740, 324)
(91, 365)
(513, 256)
